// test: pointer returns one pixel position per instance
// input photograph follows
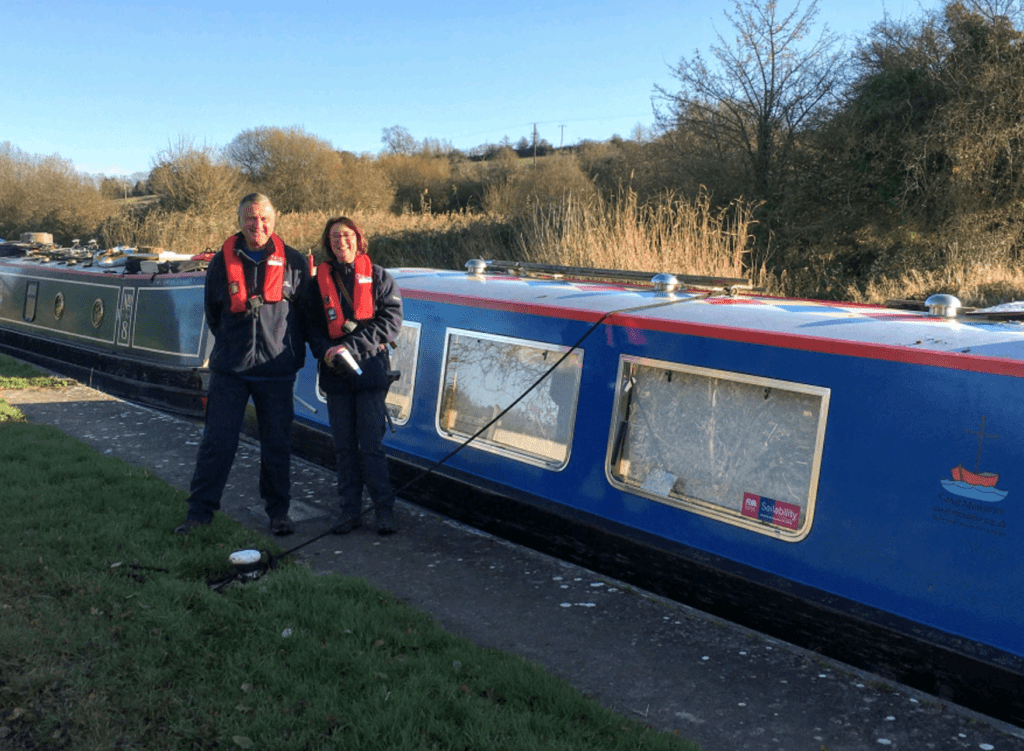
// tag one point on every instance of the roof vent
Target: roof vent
(943, 305)
(476, 267)
(665, 283)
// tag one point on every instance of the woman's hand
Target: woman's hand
(332, 353)
(339, 354)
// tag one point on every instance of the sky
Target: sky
(109, 86)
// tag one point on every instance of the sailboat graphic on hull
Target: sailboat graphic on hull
(978, 486)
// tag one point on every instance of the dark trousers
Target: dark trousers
(357, 424)
(225, 413)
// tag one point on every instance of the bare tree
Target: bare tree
(302, 172)
(766, 85)
(248, 152)
(192, 178)
(398, 140)
(993, 10)
(47, 194)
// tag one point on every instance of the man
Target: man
(253, 288)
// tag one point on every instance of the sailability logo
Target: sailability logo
(769, 510)
(975, 485)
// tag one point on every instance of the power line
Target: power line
(561, 124)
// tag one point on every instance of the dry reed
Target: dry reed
(981, 286)
(674, 235)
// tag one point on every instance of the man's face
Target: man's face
(256, 221)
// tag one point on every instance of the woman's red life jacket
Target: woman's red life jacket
(362, 294)
(273, 277)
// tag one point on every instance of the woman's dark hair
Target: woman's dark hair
(325, 239)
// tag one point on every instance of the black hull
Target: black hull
(180, 391)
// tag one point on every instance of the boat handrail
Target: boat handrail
(640, 278)
(975, 314)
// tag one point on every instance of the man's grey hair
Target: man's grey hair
(257, 198)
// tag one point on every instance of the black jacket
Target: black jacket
(268, 343)
(369, 343)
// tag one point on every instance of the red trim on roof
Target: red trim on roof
(889, 352)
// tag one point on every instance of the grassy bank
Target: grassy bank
(111, 637)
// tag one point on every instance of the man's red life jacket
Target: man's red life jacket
(362, 295)
(273, 277)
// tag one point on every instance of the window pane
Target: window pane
(403, 359)
(736, 447)
(484, 375)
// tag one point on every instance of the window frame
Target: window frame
(707, 508)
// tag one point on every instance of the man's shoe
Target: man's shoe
(188, 525)
(281, 526)
(346, 526)
(386, 522)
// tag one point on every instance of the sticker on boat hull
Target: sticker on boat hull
(975, 485)
(969, 496)
(778, 513)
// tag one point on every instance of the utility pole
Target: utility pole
(561, 139)
(535, 144)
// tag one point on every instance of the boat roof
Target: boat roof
(976, 340)
(90, 260)
(721, 308)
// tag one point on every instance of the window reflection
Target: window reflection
(737, 447)
(403, 359)
(485, 374)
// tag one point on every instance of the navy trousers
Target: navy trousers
(357, 424)
(225, 413)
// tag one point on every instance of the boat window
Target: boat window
(31, 295)
(484, 375)
(738, 448)
(403, 359)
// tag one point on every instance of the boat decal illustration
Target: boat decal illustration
(976, 485)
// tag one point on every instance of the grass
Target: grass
(112, 638)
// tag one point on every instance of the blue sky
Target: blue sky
(110, 85)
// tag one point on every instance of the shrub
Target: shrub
(192, 179)
(517, 189)
(46, 194)
(301, 172)
(421, 182)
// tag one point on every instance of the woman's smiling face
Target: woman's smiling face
(344, 243)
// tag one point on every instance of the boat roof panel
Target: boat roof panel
(843, 328)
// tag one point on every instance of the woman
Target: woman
(355, 314)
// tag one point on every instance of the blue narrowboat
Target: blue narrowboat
(845, 477)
